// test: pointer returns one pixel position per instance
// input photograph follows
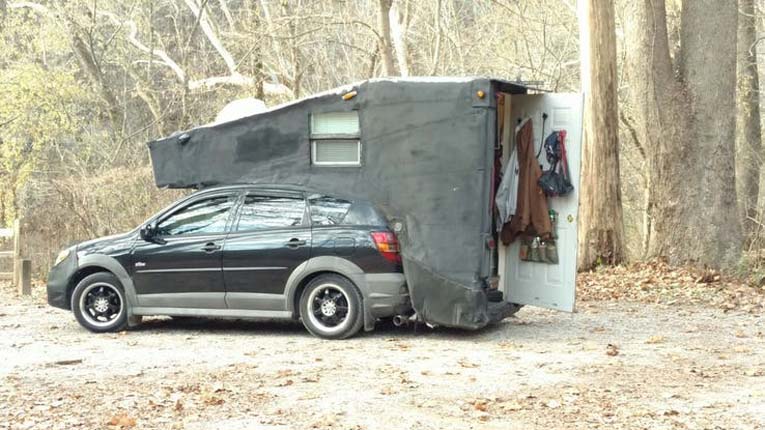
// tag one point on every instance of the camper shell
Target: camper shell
(427, 151)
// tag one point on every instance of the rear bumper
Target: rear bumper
(388, 294)
(58, 281)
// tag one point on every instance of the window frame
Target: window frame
(306, 221)
(315, 162)
(317, 138)
(235, 197)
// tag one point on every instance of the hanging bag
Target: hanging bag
(555, 181)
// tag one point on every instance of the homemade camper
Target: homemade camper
(428, 151)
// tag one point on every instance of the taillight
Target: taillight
(387, 244)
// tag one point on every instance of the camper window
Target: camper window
(335, 139)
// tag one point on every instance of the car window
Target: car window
(328, 210)
(207, 216)
(262, 212)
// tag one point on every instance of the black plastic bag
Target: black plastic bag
(555, 183)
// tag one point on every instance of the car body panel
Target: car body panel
(261, 261)
(180, 265)
(354, 243)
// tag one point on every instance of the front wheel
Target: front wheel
(99, 304)
(331, 307)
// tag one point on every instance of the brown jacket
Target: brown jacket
(531, 216)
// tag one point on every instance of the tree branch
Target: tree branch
(207, 29)
(30, 5)
(132, 37)
(234, 79)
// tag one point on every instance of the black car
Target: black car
(241, 251)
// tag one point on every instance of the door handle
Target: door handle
(295, 243)
(210, 247)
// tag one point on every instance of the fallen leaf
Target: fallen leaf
(514, 406)
(467, 364)
(285, 383)
(401, 346)
(122, 420)
(481, 405)
(612, 350)
(655, 339)
(67, 362)
(212, 400)
(505, 344)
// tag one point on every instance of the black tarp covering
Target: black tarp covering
(427, 157)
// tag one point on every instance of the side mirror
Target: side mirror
(147, 232)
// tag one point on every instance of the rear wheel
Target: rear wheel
(98, 303)
(331, 307)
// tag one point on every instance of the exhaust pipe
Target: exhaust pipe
(402, 320)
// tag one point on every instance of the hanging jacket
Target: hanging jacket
(531, 212)
(507, 193)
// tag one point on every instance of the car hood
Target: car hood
(107, 244)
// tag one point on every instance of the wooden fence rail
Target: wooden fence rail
(22, 269)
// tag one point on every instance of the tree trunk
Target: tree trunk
(399, 39)
(748, 133)
(601, 228)
(688, 126)
(386, 52)
(708, 69)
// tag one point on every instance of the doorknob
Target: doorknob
(210, 247)
(295, 243)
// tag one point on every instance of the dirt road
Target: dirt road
(669, 367)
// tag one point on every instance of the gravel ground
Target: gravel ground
(610, 365)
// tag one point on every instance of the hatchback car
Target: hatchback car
(241, 251)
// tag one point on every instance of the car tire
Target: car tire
(99, 303)
(331, 307)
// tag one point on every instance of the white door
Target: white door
(540, 284)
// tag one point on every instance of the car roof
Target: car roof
(276, 188)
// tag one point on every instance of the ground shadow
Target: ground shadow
(384, 329)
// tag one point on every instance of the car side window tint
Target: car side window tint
(206, 216)
(328, 210)
(262, 212)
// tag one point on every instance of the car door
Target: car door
(549, 285)
(271, 237)
(181, 266)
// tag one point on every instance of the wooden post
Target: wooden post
(17, 253)
(25, 287)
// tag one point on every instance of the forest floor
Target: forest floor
(648, 348)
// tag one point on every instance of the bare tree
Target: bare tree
(601, 229)
(386, 51)
(748, 133)
(687, 124)
(399, 38)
